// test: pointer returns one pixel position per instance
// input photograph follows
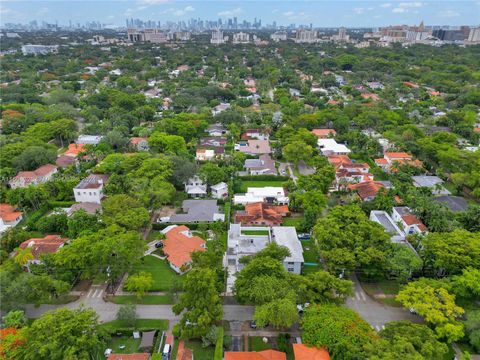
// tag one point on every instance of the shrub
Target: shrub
(219, 344)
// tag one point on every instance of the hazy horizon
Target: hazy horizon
(318, 13)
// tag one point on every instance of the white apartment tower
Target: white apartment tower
(306, 36)
(217, 37)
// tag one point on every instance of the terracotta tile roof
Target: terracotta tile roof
(45, 169)
(338, 160)
(397, 155)
(304, 352)
(251, 355)
(367, 189)
(143, 356)
(178, 246)
(381, 161)
(323, 132)
(183, 352)
(477, 129)
(8, 213)
(137, 140)
(48, 244)
(262, 212)
(367, 96)
(410, 84)
(74, 150)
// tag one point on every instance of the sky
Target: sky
(320, 13)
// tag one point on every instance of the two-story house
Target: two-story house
(90, 189)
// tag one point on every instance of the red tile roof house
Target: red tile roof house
(74, 150)
(304, 352)
(24, 178)
(409, 223)
(261, 213)
(324, 133)
(367, 190)
(179, 246)
(255, 355)
(40, 246)
(9, 217)
(140, 143)
(391, 159)
(348, 172)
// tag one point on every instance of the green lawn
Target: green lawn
(255, 232)
(64, 299)
(199, 352)
(293, 221)
(145, 300)
(255, 343)
(154, 235)
(309, 253)
(129, 344)
(158, 324)
(310, 269)
(387, 287)
(252, 183)
(161, 272)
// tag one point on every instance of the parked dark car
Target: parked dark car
(159, 244)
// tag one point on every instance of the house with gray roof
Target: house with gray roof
(454, 203)
(264, 165)
(197, 211)
(432, 182)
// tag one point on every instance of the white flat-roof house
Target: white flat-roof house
(270, 194)
(242, 244)
(90, 189)
(89, 139)
(331, 147)
(219, 191)
(382, 218)
(397, 235)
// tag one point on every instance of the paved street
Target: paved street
(375, 313)
(108, 311)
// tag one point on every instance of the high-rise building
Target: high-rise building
(306, 36)
(342, 35)
(217, 37)
(279, 36)
(241, 38)
(474, 35)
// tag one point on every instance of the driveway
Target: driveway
(375, 313)
(304, 169)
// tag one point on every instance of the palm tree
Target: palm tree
(23, 256)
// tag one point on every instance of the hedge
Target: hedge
(219, 345)
(262, 178)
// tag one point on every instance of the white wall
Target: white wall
(88, 195)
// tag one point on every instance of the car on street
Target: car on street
(253, 324)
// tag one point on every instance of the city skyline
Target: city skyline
(319, 13)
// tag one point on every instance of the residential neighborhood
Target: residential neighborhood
(179, 188)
